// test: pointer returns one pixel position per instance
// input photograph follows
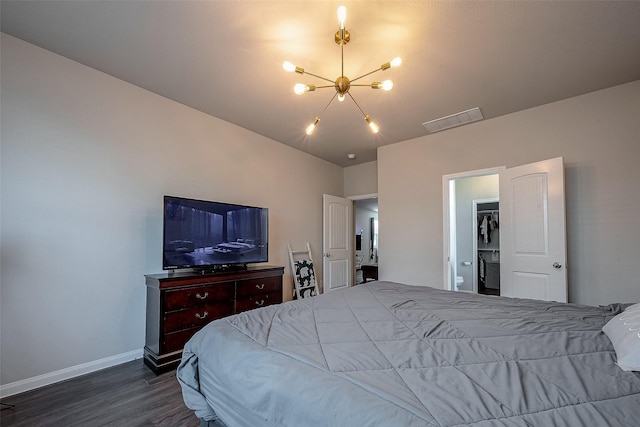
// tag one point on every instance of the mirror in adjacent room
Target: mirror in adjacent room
(366, 254)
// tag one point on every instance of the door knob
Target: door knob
(557, 265)
(327, 255)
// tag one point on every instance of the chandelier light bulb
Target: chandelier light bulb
(289, 67)
(342, 16)
(386, 85)
(309, 130)
(372, 125)
(395, 62)
(301, 88)
(341, 97)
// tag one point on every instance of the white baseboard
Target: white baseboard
(67, 373)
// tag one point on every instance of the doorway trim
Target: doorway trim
(448, 210)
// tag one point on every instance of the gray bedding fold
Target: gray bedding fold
(386, 354)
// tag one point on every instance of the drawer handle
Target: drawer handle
(260, 303)
(206, 294)
(260, 286)
(202, 316)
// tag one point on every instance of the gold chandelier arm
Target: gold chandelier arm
(329, 103)
(289, 67)
(386, 85)
(309, 130)
(395, 62)
(367, 74)
(341, 59)
(357, 105)
(372, 125)
(320, 77)
(327, 106)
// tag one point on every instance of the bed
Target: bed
(387, 354)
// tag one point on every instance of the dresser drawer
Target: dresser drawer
(174, 341)
(181, 303)
(247, 288)
(196, 316)
(198, 295)
(256, 301)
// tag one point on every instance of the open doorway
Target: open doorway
(466, 260)
(366, 230)
(532, 258)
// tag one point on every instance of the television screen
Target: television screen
(203, 234)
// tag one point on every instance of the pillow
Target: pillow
(624, 333)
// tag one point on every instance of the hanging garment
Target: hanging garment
(484, 230)
(493, 222)
(486, 225)
(481, 269)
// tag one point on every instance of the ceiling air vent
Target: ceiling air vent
(454, 120)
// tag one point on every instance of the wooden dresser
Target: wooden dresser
(369, 271)
(180, 304)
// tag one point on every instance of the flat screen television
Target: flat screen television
(207, 235)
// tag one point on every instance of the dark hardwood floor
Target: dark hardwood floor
(124, 395)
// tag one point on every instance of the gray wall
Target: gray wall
(86, 159)
(598, 134)
(361, 179)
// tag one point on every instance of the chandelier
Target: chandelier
(342, 84)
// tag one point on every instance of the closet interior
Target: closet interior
(488, 248)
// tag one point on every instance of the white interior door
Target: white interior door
(337, 254)
(532, 231)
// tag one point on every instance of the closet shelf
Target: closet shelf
(489, 249)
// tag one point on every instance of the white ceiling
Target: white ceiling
(224, 58)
